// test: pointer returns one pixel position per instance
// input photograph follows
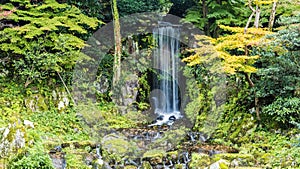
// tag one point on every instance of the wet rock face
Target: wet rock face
(58, 160)
(126, 93)
(14, 137)
(129, 90)
(38, 102)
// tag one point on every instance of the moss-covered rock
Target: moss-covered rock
(179, 166)
(199, 160)
(117, 147)
(154, 156)
(220, 164)
(146, 165)
(172, 155)
(266, 158)
(35, 103)
(107, 117)
(75, 159)
(154, 153)
(248, 167)
(130, 167)
(243, 159)
(170, 139)
(87, 144)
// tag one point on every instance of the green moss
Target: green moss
(220, 164)
(249, 168)
(144, 91)
(86, 144)
(146, 165)
(179, 166)
(130, 167)
(116, 147)
(31, 158)
(174, 137)
(107, 117)
(223, 166)
(266, 158)
(154, 153)
(136, 117)
(232, 156)
(172, 155)
(36, 102)
(199, 160)
(75, 160)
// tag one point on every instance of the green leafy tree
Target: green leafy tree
(45, 39)
(93, 8)
(180, 7)
(127, 7)
(278, 77)
(283, 111)
(208, 14)
(233, 53)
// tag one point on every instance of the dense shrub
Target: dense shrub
(31, 159)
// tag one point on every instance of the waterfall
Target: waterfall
(166, 62)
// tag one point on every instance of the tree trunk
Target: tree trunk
(255, 11)
(118, 44)
(256, 105)
(257, 15)
(272, 16)
(204, 13)
(250, 17)
(248, 23)
(256, 99)
(216, 30)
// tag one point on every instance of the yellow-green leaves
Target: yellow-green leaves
(233, 50)
(204, 53)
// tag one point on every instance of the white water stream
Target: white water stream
(166, 102)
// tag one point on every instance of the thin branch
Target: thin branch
(250, 6)
(256, 99)
(257, 16)
(250, 17)
(248, 22)
(272, 16)
(66, 88)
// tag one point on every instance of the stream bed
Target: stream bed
(192, 152)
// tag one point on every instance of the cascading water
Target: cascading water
(166, 102)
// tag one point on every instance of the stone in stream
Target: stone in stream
(219, 164)
(58, 160)
(58, 148)
(165, 118)
(28, 123)
(146, 165)
(154, 156)
(119, 146)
